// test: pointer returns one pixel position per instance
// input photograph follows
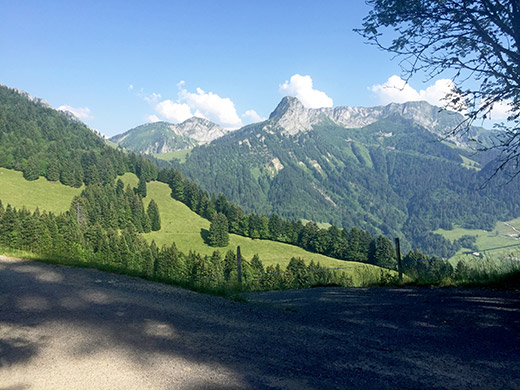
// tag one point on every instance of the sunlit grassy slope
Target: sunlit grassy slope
(501, 242)
(184, 227)
(46, 195)
(179, 223)
(178, 154)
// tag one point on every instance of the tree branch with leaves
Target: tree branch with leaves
(475, 42)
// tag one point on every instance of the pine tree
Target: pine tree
(230, 264)
(67, 173)
(153, 214)
(382, 252)
(147, 225)
(32, 168)
(218, 231)
(177, 185)
(53, 170)
(141, 187)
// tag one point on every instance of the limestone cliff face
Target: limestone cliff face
(291, 117)
(201, 130)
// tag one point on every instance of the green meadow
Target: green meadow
(185, 228)
(496, 245)
(49, 196)
(178, 224)
(178, 154)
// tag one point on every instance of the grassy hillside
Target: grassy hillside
(178, 154)
(50, 196)
(501, 242)
(179, 223)
(186, 229)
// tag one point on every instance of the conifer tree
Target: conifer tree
(256, 264)
(147, 225)
(32, 168)
(230, 264)
(67, 173)
(382, 252)
(141, 187)
(53, 170)
(218, 231)
(153, 215)
(177, 185)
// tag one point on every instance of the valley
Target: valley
(179, 224)
(242, 195)
(388, 177)
(495, 245)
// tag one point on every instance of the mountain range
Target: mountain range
(384, 169)
(388, 169)
(291, 117)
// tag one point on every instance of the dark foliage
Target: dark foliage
(475, 42)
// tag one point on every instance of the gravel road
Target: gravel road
(69, 328)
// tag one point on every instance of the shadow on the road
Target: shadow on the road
(15, 350)
(332, 338)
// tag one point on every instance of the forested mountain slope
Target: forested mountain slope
(393, 175)
(158, 137)
(41, 141)
(163, 137)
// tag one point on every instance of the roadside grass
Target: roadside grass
(41, 193)
(490, 271)
(229, 291)
(495, 278)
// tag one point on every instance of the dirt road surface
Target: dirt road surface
(69, 328)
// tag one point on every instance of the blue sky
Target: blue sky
(118, 64)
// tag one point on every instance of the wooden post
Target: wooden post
(399, 264)
(239, 266)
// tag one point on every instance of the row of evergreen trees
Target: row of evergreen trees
(69, 237)
(113, 206)
(354, 244)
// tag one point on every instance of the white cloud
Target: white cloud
(202, 104)
(251, 116)
(153, 98)
(174, 112)
(211, 106)
(79, 112)
(500, 111)
(153, 118)
(396, 90)
(301, 87)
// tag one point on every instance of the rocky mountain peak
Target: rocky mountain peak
(291, 117)
(201, 129)
(288, 104)
(28, 96)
